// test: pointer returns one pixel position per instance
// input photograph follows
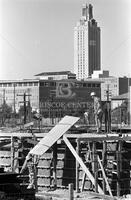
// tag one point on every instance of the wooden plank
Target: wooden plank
(54, 134)
(85, 169)
(104, 162)
(83, 182)
(71, 191)
(12, 154)
(83, 136)
(95, 165)
(15, 134)
(100, 137)
(104, 175)
(77, 166)
(88, 159)
(54, 165)
(118, 158)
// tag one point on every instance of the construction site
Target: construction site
(58, 153)
(70, 161)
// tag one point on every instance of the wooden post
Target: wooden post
(36, 161)
(118, 174)
(17, 154)
(12, 154)
(77, 166)
(104, 163)
(118, 157)
(104, 176)
(71, 192)
(54, 165)
(35, 172)
(95, 166)
(88, 159)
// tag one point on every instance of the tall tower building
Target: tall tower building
(86, 44)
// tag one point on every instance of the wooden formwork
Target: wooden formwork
(106, 157)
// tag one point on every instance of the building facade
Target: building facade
(53, 98)
(115, 85)
(12, 92)
(87, 50)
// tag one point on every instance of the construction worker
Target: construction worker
(107, 112)
(97, 111)
(86, 117)
(30, 164)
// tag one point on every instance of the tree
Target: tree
(5, 113)
(26, 112)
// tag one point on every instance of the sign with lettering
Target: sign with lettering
(64, 90)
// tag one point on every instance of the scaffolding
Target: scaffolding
(100, 162)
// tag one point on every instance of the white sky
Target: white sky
(38, 35)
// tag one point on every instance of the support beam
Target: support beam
(12, 154)
(118, 156)
(77, 166)
(81, 163)
(95, 166)
(104, 162)
(71, 191)
(104, 176)
(54, 165)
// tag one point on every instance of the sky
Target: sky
(38, 36)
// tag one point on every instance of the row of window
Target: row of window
(28, 90)
(18, 84)
(78, 85)
(44, 84)
(18, 91)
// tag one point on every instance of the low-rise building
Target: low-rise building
(114, 85)
(12, 92)
(56, 75)
(50, 97)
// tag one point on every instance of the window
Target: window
(35, 84)
(84, 85)
(52, 84)
(89, 84)
(25, 84)
(30, 84)
(9, 84)
(98, 85)
(4, 84)
(46, 84)
(41, 83)
(20, 84)
(77, 85)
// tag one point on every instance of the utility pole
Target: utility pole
(129, 103)
(107, 112)
(14, 97)
(24, 108)
(24, 102)
(3, 96)
(3, 109)
(53, 110)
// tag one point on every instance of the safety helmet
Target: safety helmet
(93, 94)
